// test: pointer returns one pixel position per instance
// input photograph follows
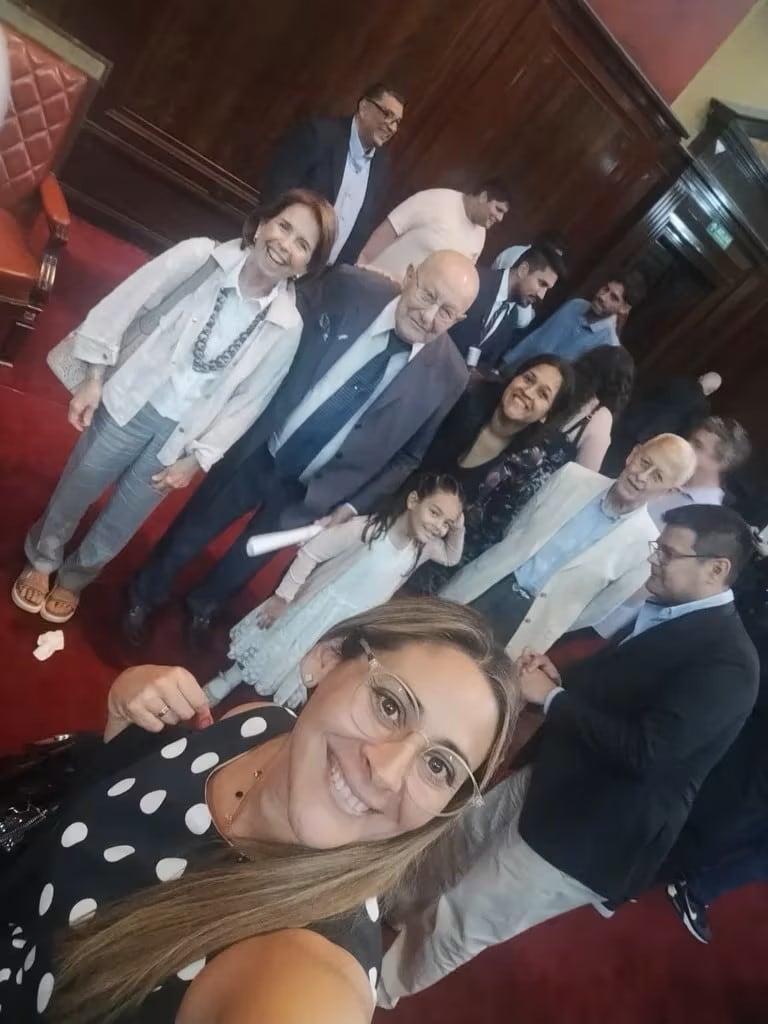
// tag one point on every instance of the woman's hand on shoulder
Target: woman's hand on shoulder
(153, 696)
(299, 978)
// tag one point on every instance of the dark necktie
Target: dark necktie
(309, 439)
(496, 319)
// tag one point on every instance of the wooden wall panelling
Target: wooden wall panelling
(202, 89)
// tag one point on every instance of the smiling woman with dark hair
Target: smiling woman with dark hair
(493, 444)
(231, 873)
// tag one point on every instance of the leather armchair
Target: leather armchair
(48, 99)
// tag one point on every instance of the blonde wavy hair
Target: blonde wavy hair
(112, 962)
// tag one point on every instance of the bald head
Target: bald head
(710, 382)
(435, 296)
(652, 469)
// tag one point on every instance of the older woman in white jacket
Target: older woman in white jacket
(168, 371)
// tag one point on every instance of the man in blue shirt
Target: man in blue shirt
(578, 325)
(604, 788)
(344, 160)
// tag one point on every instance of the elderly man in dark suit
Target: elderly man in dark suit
(492, 321)
(374, 376)
(605, 787)
(344, 160)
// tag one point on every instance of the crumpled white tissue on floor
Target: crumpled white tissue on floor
(48, 643)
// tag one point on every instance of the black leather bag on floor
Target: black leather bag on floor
(34, 784)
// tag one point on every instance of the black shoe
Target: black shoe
(692, 913)
(197, 632)
(135, 625)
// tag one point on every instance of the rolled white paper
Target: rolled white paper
(265, 542)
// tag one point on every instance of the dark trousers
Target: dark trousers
(505, 606)
(736, 862)
(228, 492)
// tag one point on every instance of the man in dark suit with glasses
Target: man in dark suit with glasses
(345, 161)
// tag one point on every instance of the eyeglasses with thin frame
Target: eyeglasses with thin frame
(390, 117)
(665, 555)
(445, 316)
(386, 710)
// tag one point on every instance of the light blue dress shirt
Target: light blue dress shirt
(586, 528)
(370, 343)
(652, 614)
(567, 333)
(352, 190)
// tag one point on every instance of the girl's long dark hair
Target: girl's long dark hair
(425, 485)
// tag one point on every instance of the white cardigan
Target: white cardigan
(588, 587)
(244, 388)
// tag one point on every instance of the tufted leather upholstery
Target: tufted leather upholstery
(45, 94)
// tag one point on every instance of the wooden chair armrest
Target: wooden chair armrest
(55, 208)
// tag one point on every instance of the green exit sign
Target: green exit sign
(720, 235)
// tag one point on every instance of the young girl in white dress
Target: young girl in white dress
(344, 570)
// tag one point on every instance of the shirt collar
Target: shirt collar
(665, 612)
(231, 279)
(502, 295)
(356, 150)
(703, 495)
(597, 325)
(385, 322)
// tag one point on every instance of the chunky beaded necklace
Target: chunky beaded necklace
(202, 365)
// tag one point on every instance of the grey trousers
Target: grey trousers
(479, 886)
(106, 453)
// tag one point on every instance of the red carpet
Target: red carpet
(641, 967)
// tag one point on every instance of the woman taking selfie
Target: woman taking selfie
(492, 443)
(230, 873)
(167, 372)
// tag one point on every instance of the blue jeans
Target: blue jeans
(106, 453)
(736, 865)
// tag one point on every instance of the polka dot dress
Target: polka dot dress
(141, 826)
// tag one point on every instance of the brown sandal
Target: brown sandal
(67, 605)
(30, 590)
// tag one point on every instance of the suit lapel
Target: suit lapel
(339, 159)
(421, 376)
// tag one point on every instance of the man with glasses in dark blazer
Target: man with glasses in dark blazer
(345, 161)
(604, 788)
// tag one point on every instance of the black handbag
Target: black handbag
(34, 784)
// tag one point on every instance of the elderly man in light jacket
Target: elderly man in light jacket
(577, 550)
(167, 372)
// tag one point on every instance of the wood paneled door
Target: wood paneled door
(201, 89)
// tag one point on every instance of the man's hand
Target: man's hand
(342, 514)
(537, 676)
(85, 401)
(177, 476)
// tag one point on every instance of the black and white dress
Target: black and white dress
(144, 821)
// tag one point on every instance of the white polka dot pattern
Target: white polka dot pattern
(191, 970)
(253, 727)
(115, 853)
(121, 787)
(29, 959)
(150, 802)
(46, 898)
(373, 978)
(44, 992)
(83, 908)
(204, 763)
(74, 833)
(19, 976)
(198, 819)
(169, 868)
(372, 908)
(5, 974)
(174, 749)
